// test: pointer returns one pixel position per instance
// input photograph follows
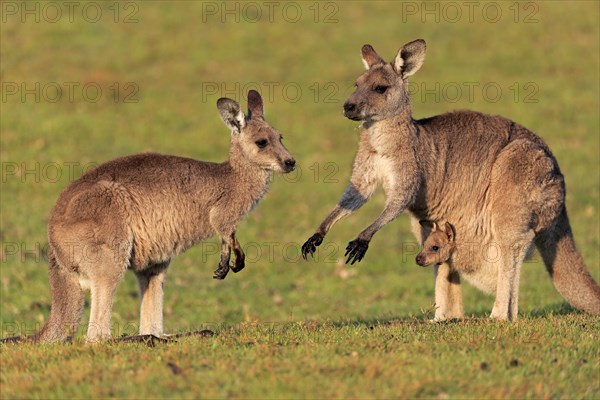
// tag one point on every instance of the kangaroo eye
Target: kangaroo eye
(435, 248)
(262, 143)
(381, 89)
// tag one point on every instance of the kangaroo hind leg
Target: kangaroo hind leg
(67, 303)
(520, 201)
(151, 283)
(448, 294)
(105, 268)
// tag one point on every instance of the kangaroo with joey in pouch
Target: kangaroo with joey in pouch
(140, 211)
(497, 182)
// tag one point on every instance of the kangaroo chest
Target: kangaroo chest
(385, 156)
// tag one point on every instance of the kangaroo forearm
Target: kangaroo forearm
(390, 213)
(337, 214)
(352, 199)
(225, 253)
(399, 195)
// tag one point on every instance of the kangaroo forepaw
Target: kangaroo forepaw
(238, 265)
(311, 245)
(355, 251)
(221, 272)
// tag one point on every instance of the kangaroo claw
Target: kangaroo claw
(355, 251)
(221, 272)
(311, 245)
(238, 265)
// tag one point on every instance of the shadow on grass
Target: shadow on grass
(553, 309)
(479, 316)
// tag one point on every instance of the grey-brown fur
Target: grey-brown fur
(495, 180)
(140, 211)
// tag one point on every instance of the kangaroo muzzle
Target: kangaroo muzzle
(289, 165)
(351, 111)
(420, 260)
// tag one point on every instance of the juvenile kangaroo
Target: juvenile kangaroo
(515, 192)
(140, 211)
(438, 246)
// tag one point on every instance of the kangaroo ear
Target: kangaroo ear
(427, 228)
(370, 56)
(255, 104)
(425, 223)
(435, 227)
(410, 58)
(231, 114)
(449, 230)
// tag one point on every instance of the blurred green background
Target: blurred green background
(100, 80)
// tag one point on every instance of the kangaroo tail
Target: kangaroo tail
(67, 304)
(566, 268)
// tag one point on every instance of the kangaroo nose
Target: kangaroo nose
(349, 107)
(419, 259)
(290, 163)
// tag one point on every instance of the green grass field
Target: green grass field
(87, 84)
